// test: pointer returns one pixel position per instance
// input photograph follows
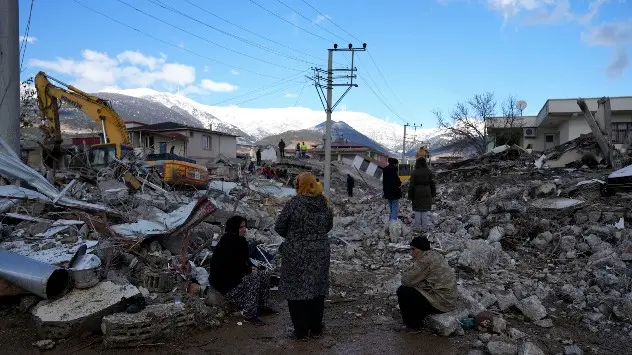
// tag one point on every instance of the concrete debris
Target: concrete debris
(573, 350)
(532, 308)
(44, 344)
(160, 321)
(81, 310)
(528, 348)
(501, 348)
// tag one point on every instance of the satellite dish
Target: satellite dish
(521, 105)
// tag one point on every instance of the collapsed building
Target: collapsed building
(534, 242)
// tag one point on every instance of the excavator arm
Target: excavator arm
(48, 96)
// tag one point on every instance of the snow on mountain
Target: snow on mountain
(260, 123)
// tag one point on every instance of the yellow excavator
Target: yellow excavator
(175, 170)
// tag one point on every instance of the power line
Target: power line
(370, 56)
(241, 39)
(300, 14)
(289, 79)
(268, 94)
(26, 35)
(205, 39)
(382, 101)
(290, 22)
(299, 95)
(252, 32)
(172, 44)
(385, 81)
(330, 20)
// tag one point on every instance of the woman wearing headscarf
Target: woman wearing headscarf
(421, 191)
(232, 274)
(305, 255)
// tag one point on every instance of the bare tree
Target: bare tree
(468, 122)
(29, 110)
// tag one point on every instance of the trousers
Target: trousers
(307, 315)
(422, 220)
(413, 306)
(251, 293)
(394, 209)
(350, 191)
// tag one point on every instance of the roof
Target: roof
(174, 126)
(378, 163)
(360, 149)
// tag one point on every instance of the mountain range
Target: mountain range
(255, 125)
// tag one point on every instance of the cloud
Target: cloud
(321, 18)
(290, 95)
(610, 34)
(214, 86)
(28, 39)
(234, 72)
(618, 64)
(95, 71)
(616, 35)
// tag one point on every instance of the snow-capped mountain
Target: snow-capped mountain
(184, 105)
(260, 123)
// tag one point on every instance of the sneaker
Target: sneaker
(255, 321)
(265, 311)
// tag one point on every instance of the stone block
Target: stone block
(529, 348)
(155, 322)
(160, 282)
(81, 310)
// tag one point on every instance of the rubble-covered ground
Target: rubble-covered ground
(541, 259)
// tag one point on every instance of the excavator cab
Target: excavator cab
(101, 155)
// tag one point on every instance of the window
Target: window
(549, 138)
(620, 131)
(206, 142)
(190, 133)
(364, 165)
(378, 173)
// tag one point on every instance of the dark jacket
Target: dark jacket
(282, 145)
(421, 189)
(391, 183)
(258, 153)
(350, 182)
(305, 253)
(230, 263)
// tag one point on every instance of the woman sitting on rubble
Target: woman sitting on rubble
(305, 253)
(428, 285)
(421, 191)
(233, 274)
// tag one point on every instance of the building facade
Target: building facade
(199, 144)
(348, 151)
(560, 121)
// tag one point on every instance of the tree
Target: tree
(468, 122)
(29, 110)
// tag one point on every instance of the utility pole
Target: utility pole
(404, 143)
(327, 99)
(10, 74)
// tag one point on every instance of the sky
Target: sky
(421, 56)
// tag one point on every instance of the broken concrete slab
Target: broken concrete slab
(528, 348)
(554, 204)
(81, 310)
(501, 348)
(157, 321)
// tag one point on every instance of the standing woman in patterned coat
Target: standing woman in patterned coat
(305, 255)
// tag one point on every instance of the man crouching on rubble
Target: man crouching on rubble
(428, 286)
(233, 275)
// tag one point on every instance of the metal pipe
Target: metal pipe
(44, 280)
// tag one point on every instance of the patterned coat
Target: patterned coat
(431, 275)
(305, 252)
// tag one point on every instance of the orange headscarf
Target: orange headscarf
(307, 185)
